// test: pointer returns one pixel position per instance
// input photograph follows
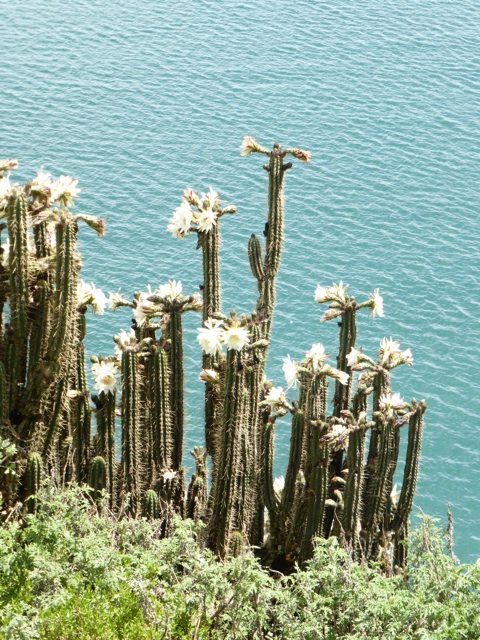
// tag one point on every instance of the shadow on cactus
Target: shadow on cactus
(339, 476)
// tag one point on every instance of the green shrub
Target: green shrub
(68, 573)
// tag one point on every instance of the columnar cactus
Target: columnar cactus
(160, 409)
(223, 519)
(332, 486)
(201, 215)
(150, 505)
(33, 475)
(97, 478)
(197, 490)
(265, 272)
(131, 428)
(105, 373)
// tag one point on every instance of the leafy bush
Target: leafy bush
(67, 572)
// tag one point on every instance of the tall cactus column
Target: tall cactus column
(211, 308)
(176, 390)
(348, 336)
(410, 474)
(225, 487)
(160, 409)
(355, 477)
(105, 404)
(81, 411)
(131, 428)
(19, 291)
(265, 272)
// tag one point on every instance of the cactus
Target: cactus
(176, 389)
(105, 437)
(266, 273)
(332, 487)
(131, 428)
(150, 505)
(81, 410)
(256, 260)
(197, 490)
(354, 481)
(237, 544)
(161, 413)
(33, 475)
(400, 522)
(224, 489)
(97, 478)
(19, 290)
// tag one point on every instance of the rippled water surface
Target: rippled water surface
(139, 99)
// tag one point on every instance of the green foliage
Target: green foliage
(68, 572)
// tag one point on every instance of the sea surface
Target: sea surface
(138, 99)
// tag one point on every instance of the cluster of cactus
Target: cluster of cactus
(340, 475)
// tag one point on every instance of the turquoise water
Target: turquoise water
(139, 99)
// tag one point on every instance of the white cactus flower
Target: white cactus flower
(352, 357)
(208, 375)
(279, 485)
(394, 495)
(248, 146)
(99, 301)
(290, 371)
(6, 253)
(89, 294)
(115, 300)
(406, 357)
(275, 397)
(316, 356)
(169, 475)
(172, 290)
(388, 348)
(175, 230)
(210, 336)
(84, 292)
(144, 309)
(338, 430)
(339, 375)
(376, 301)
(235, 338)
(338, 291)
(322, 294)
(181, 220)
(5, 191)
(209, 199)
(206, 219)
(42, 184)
(105, 374)
(190, 196)
(64, 190)
(342, 377)
(390, 402)
(124, 339)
